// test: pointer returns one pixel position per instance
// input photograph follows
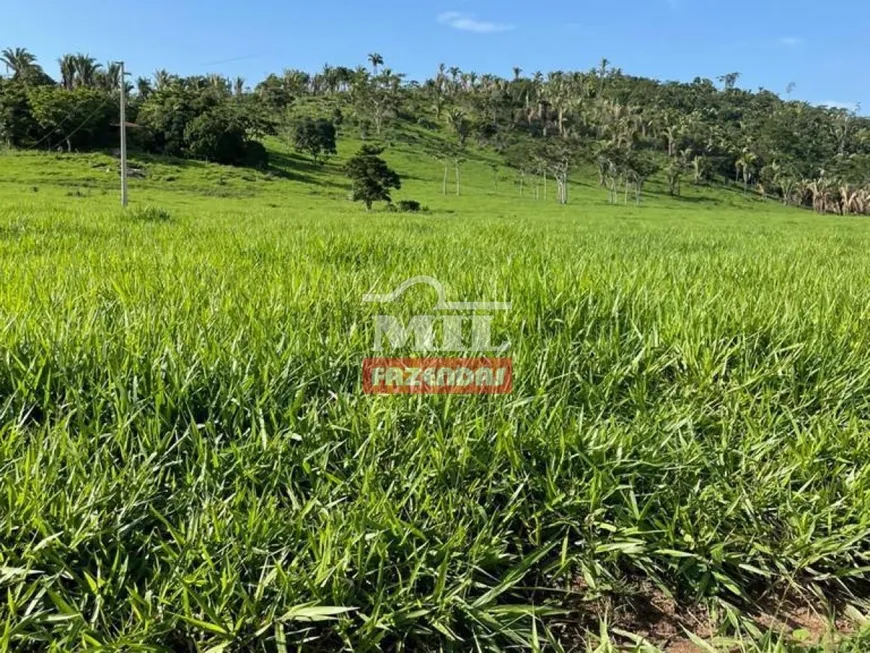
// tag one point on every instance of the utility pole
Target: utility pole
(123, 137)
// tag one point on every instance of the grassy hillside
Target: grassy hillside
(188, 461)
(485, 179)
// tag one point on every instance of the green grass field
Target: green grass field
(188, 461)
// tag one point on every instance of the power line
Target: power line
(233, 60)
(74, 131)
(51, 133)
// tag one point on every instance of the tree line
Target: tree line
(628, 128)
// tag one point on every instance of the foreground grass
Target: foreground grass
(187, 460)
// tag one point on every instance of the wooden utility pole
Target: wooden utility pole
(123, 137)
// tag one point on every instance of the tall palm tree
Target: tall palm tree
(143, 87)
(109, 78)
(239, 86)
(162, 80)
(17, 60)
(329, 78)
(438, 106)
(67, 65)
(517, 72)
(456, 120)
(454, 74)
(746, 164)
(86, 70)
(376, 60)
(219, 83)
(440, 77)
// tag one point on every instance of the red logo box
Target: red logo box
(438, 376)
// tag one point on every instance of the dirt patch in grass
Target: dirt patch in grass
(642, 612)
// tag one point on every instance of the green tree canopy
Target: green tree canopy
(315, 137)
(371, 176)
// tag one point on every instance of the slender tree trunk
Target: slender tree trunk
(444, 183)
(457, 181)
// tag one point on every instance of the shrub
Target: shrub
(148, 214)
(216, 136)
(256, 155)
(315, 137)
(409, 206)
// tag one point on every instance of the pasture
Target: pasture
(188, 461)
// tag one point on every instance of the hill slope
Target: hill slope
(486, 180)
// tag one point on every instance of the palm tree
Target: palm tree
(746, 164)
(812, 187)
(344, 76)
(862, 200)
(438, 106)
(219, 83)
(110, 78)
(699, 165)
(440, 77)
(67, 65)
(86, 70)
(517, 72)
(239, 86)
(456, 120)
(454, 74)
(376, 60)
(560, 95)
(162, 79)
(783, 178)
(143, 87)
(602, 72)
(18, 60)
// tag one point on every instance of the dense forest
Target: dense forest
(629, 128)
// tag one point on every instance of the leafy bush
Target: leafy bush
(200, 123)
(55, 109)
(148, 214)
(256, 155)
(409, 206)
(216, 136)
(315, 137)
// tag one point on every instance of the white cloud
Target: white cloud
(791, 41)
(834, 104)
(467, 23)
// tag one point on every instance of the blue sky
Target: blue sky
(817, 46)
